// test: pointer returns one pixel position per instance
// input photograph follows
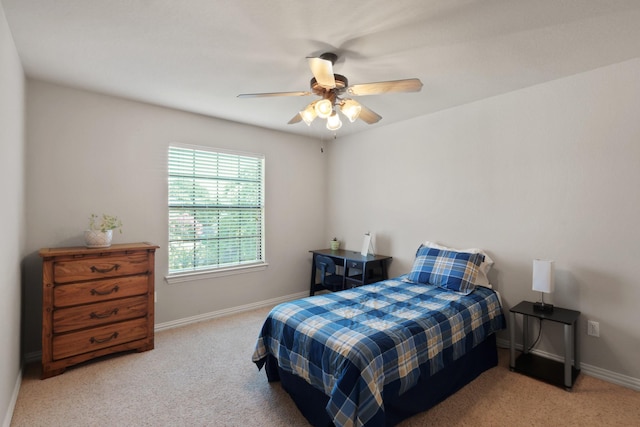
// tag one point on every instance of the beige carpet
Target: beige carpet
(202, 375)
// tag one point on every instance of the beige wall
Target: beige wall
(551, 171)
(11, 215)
(93, 153)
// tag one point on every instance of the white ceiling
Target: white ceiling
(198, 55)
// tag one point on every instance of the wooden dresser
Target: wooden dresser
(95, 302)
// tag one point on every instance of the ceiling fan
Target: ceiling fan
(333, 89)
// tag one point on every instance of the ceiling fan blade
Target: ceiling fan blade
(263, 95)
(406, 85)
(295, 119)
(322, 70)
(368, 115)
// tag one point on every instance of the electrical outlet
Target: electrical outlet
(593, 328)
(155, 297)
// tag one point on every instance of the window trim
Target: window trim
(175, 278)
(187, 276)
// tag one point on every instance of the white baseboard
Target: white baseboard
(14, 398)
(593, 371)
(225, 312)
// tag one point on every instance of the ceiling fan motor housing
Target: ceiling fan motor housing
(341, 85)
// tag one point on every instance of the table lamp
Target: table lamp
(543, 282)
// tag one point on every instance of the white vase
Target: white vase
(97, 238)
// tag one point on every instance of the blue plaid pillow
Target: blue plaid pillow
(448, 269)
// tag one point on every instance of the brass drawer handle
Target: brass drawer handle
(95, 269)
(95, 315)
(101, 341)
(114, 289)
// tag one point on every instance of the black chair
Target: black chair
(328, 278)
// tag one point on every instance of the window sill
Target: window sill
(220, 272)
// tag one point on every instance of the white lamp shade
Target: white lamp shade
(334, 122)
(351, 109)
(324, 108)
(309, 114)
(543, 275)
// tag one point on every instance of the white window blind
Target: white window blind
(216, 209)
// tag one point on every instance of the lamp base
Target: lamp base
(541, 307)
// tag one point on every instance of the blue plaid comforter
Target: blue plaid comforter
(349, 344)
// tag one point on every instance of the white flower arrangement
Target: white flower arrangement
(104, 223)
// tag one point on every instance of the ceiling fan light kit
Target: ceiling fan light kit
(324, 108)
(309, 113)
(331, 86)
(351, 109)
(334, 122)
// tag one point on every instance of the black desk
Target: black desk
(356, 268)
(551, 371)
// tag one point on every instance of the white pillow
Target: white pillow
(483, 270)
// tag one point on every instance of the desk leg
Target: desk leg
(312, 289)
(512, 336)
(344, 274)
(525, 334)
(568, 339)
(576, 351)
(363, 273)
(385, 275)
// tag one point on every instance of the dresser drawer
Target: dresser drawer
(99, 290)
(71, 344)
(88, 316)
(76, 270)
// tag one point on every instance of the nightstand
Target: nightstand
(551, 371)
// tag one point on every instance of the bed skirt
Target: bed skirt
(429, 391)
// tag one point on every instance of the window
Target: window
(216, 209)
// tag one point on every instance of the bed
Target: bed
(377, 354)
